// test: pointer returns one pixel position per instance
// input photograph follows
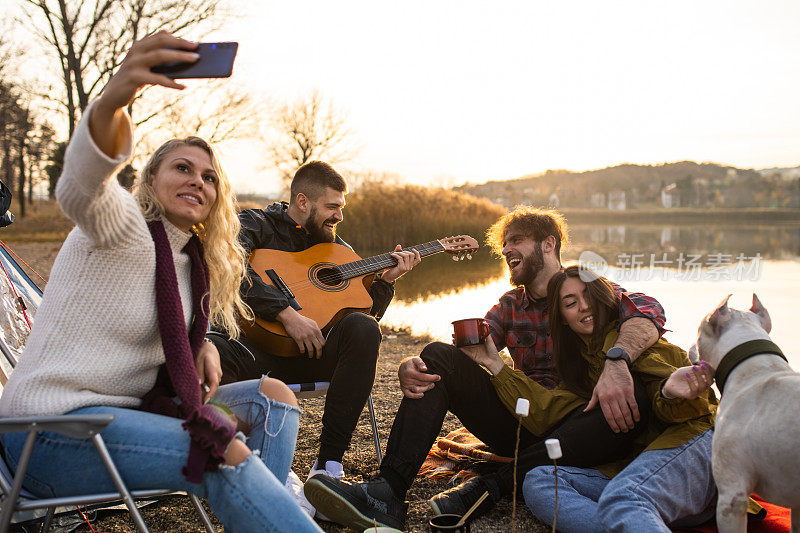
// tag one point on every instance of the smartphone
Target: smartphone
(216, 61)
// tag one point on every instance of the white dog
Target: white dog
(757, 433)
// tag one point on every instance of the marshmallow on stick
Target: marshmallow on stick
(553, 448)
(523, 407)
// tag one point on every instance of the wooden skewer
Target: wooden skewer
(471, 510)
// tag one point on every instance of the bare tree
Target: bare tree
(309, 128)
(358, 179)
(219, 111)
(54, 167)
(40, 152)
(26, 144)
(88, 38)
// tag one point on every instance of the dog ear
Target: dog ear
(761, 312)
(720, 315)
(694, 357)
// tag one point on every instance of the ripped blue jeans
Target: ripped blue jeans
(150, 450)
(269, 423)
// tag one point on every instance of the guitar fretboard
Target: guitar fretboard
(362, 267)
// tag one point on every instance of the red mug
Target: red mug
(470, 332)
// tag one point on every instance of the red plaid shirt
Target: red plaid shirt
(520, 323)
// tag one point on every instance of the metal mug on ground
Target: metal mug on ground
(470, 332)
(447, 523)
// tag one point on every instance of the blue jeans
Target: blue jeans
(673, 486)
(266, 420)
(150, 450)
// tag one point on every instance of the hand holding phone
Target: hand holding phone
(216, 61)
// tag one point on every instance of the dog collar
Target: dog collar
(744, 351)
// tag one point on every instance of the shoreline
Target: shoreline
(680, 215)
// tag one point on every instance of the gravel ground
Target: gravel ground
(176, 513)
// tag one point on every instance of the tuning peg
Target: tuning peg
(455, 258)
(469, 256)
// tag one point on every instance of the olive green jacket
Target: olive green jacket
(675, 421)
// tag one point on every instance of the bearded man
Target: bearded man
(443, 379)
(347, 356)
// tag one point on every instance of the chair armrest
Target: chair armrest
(75, 426)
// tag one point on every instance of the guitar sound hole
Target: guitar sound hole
(330, 277)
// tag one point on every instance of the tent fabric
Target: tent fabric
(6, 218)
(16, 289)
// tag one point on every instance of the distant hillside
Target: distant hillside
(680, 184)
(791, 173)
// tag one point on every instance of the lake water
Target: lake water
(689, 269)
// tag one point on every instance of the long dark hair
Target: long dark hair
(571, 366)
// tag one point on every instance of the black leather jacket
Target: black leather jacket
(273, 228)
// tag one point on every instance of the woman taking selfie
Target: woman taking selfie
(120, 330)
(667, 478)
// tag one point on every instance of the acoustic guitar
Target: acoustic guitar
(327, 281)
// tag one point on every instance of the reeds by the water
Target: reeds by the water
(378, 217)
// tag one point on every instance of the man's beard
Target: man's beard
(316, 229)
(530, 267)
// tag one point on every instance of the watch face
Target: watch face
(618, 353)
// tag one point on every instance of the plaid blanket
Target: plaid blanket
(460, 456)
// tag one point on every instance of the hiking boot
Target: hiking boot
(459, 499)
(356, 505)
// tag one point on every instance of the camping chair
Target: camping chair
(18, 294)
(320, 388)
(18, 503)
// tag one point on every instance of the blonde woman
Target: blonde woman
(122, 323)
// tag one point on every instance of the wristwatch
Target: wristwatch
(616, 353)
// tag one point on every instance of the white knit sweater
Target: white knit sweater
(95, 340)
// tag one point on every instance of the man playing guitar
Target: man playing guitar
(347, 355)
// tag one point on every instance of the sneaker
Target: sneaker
(295, 488)
(357, 505)
(459, 499)
(332, 469)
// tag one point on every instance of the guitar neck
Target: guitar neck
(377, 263)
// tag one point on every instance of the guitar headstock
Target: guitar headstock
(460, 246)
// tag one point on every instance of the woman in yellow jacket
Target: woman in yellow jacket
(668, 480)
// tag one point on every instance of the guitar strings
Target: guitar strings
(363, 267)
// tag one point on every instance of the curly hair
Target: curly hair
(219, 233)
(536, 223)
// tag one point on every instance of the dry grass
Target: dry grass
(379, 216)
(43, 222)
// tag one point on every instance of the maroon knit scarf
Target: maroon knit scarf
(209, 428)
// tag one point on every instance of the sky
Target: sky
(447, 92)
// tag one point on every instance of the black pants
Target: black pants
(466, 390)
(348, 361)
